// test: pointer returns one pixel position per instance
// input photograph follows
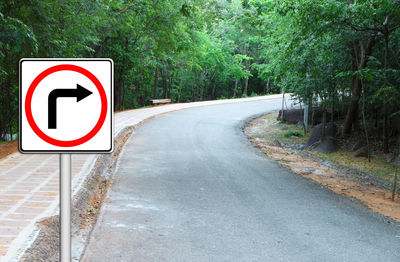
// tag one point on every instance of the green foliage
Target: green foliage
(289, 133)
(190, 50)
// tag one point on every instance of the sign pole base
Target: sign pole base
(65, 207)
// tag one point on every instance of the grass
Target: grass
(268, 128)
(291, 133)
(378, 166)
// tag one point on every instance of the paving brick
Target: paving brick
(10, 197)
(19, 216)
(49, 188)
(4, 208)
(9, 231)
(47, 194)
(17, 192)
(3, 250)
(30, 210)
(6, 240)
(35, 204)
(41, 198)
(8, 202)
(13, 223)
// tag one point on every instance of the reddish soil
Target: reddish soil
(8, 148)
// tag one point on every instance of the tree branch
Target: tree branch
(128, 7)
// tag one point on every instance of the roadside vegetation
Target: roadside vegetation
(270, 130)
(339, 57)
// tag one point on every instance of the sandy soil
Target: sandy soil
(374, 198)
(8, 148)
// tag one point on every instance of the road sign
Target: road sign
(66, 106)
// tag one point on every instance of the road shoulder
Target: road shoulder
(330, 175)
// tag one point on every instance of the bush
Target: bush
(288, 134)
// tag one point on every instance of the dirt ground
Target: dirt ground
(8, 148)
(374, 198)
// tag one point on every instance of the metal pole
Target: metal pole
(65, 207)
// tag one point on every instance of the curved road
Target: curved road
(190, 187)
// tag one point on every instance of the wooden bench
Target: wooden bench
(160, 101)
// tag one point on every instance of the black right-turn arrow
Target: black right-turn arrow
(80, 93)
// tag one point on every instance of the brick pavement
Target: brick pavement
(29, 183)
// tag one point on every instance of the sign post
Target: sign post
(65, 207)
(66, 106)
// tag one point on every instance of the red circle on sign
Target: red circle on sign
(63, 143)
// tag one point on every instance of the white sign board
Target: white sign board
(66, 106)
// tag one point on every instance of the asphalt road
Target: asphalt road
(190, 187)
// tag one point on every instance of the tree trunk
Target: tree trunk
(155, 83)
(193, 92)
(385, 129)
(246, 85)
(394, 184)
(122, 107)
(213, 89)
(283, 103)
(352, 111)
(117, 96)
(235, 89)
(267, 87)
(323, 124)
(385, 120)
(164, 83)
(365, 123)
(333, 106)
(170, 86)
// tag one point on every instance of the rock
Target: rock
(315, 137)
(291, 116)
(396, 160)
(300, 124)
(393, 158)
(362, 152)
(390, 157)
(357, 145)
(327, 146)
(307, 170)
(277, 143)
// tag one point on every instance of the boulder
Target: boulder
(327, 146)
(315, 137)
(277, 143)
(389, 157)
(362, 152)
(307, 170)
(300, 124)
(357, 145)
(293, 116)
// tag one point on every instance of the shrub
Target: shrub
(290, 133)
